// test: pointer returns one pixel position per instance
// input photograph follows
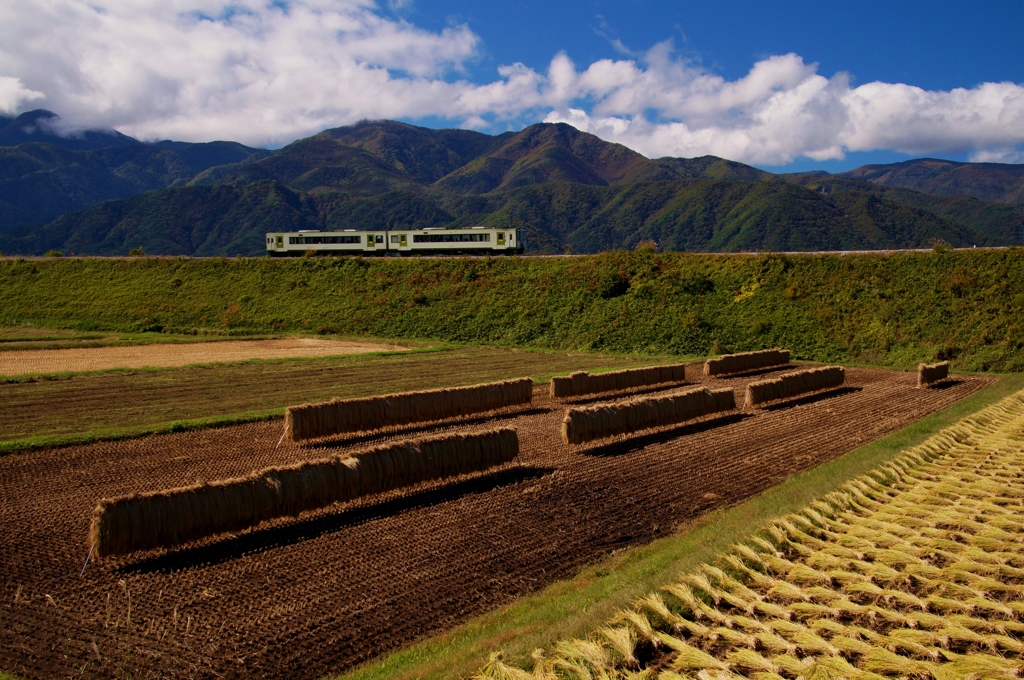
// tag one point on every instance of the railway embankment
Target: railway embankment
(894, 309)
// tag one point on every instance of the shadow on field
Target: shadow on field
(759, 371)
(811, 398)
(379, 436)
(625, 394)
(945, 384)
(261, 540)
(622, 447)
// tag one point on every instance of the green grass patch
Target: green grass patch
(111, 434)
(575, 607)
(882, 309)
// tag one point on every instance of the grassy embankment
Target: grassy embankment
(894, 309)
(576, 607)
(108, 405)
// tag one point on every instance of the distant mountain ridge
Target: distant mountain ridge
(998, 182)
(45, 173)
(567, 189)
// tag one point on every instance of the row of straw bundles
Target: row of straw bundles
(793, 384)
(746, 361)
(168, 518)
(373, 413)
(581, 382)
(931, 373)
(587, 423)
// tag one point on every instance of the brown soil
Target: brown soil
(314, 595)
(122, 401)
(32, 361)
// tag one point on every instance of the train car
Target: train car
(347, 242)
(441, 240)
(429, 241)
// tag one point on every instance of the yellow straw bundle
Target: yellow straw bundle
(932, 373)
(339, 416)
(582, 383)
(793, 384)
(746, 361)
(587, 423)
(168, 518)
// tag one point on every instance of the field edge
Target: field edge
(574, 607)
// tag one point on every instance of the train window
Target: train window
(450, 238)
(394, 238)
(380, 238)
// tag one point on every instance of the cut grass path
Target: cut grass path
(109, 405)
(575, 607)
(177, 355)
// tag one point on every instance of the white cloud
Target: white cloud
(13, 94)
(1006, 155)
(266, 72)
(253, 70)
(783, 109)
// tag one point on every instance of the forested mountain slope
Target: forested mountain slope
(568, 190)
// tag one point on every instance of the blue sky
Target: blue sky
(936, 46)
(784, 86)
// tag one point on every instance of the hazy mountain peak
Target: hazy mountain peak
(47, 127)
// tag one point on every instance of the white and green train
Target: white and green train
(429, 241)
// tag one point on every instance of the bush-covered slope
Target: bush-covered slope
(894, 309)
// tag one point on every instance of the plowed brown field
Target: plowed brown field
(314, 595)
(33, 361)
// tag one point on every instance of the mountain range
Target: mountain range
(101, 192)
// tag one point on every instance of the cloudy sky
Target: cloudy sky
(794, 86)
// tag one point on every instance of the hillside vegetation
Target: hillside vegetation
(894, 309)
(568, 190)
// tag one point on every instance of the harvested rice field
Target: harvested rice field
(308, 596)
(127, 402)
(33, 361)
(915, 570)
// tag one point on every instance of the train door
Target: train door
(399, 242)
(501, 239)
(280, 240)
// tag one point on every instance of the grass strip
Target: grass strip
(573, 608)
(121, 433)
(67, 375)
